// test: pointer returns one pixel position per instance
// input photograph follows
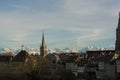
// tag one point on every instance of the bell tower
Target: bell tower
(43, 47)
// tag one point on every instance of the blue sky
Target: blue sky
(66, 23)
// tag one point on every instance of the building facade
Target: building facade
(117, 45)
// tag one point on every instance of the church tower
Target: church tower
(43, 47)
(117, 45)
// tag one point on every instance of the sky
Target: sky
(65, 23)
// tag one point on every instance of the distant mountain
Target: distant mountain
(5, 51)
(66, 50)
(96, 48)
(53, 50)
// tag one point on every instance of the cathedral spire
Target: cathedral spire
(43, 48)
(43, 40)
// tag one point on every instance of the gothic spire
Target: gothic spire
(43, 40)
(43, 48)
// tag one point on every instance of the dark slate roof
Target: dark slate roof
(21, 56)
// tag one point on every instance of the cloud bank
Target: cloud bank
(66, 23)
